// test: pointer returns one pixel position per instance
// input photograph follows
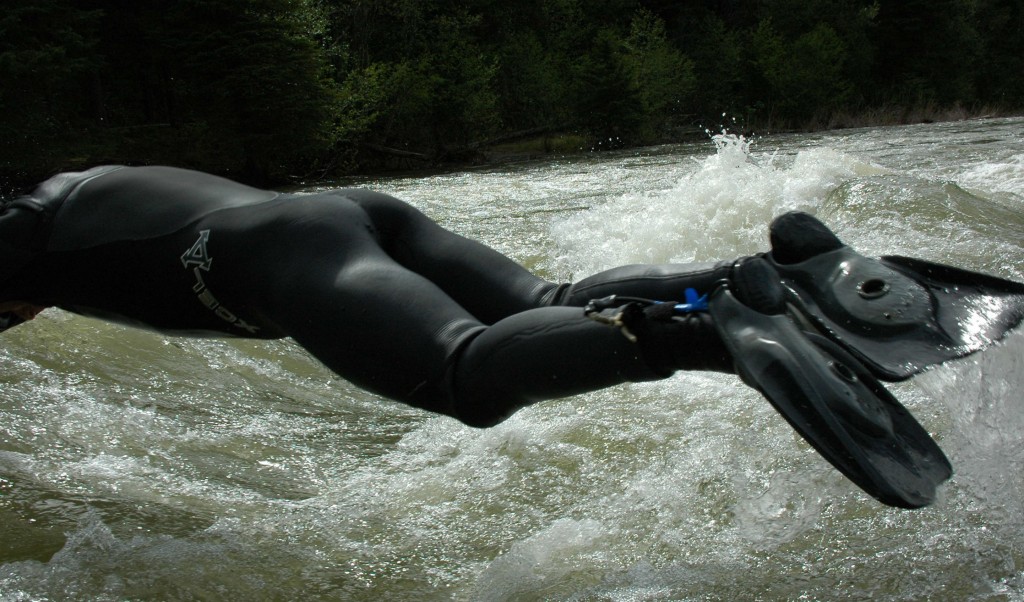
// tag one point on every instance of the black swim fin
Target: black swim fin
(831, 400)
(897, 315)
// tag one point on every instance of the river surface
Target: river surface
(139, 467)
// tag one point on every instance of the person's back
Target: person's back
(117, 204)
(112, 242)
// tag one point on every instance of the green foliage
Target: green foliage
(435, 78)
(47, 54)
(257, 79)
(268, 89)
(931, 51)
(607, 96)
(1001, 62)
(530, 92)
(718, 57)
(663, 78)
(803, 74)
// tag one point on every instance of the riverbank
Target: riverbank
(376, 161)
(572, 143)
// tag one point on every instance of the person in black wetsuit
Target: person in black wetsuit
(370, 286)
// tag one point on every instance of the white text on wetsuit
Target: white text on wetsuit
(198, 256)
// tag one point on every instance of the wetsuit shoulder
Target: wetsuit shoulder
(50, 194)
(25, 221)
(136, 203)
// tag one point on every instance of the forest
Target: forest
(279, 91)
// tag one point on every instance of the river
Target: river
(139, 467)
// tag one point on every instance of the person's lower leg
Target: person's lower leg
(662, 282)
(549, 353)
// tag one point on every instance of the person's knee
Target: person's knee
(477, 411)
(480, 415)
(474, 407)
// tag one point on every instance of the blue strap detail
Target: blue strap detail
(694, 302)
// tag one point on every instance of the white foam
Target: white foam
(718, 210)
(545, 558)
(1004, 176)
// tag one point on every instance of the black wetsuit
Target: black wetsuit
(373, 288)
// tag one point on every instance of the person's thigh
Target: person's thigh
(379, 325)
(488, 284)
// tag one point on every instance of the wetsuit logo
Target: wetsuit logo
(198, 257)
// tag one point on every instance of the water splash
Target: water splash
(718, 210)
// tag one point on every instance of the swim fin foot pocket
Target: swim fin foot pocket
(824, 392)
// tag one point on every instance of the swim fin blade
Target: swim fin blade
(897, 315)
(832, 401)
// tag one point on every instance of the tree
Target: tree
(718, 57)
(1000, 23)
(437, 78)
(804, 75)
(47, 56)
(256, 85)
(608, 101)
(530, 92)
(662, 77)
(928, 51)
